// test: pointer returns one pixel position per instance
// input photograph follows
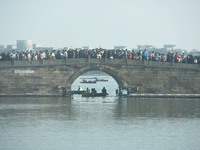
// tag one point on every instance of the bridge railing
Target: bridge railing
(86, 61)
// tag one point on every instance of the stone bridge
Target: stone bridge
(50, 77)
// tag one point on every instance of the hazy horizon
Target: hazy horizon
(105, 23)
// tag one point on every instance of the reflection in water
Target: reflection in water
(163, 107)
(99, 123)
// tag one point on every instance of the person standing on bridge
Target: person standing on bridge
(144, 55)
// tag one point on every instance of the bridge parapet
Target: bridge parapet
(86, 61)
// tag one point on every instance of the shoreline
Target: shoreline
(28, 95)
(144, 95)
(164, 95)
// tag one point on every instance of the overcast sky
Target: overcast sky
(105, 23)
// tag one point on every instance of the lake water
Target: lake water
(99, 123)
(109, 123)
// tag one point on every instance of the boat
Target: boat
(89, 81)
(101, 80)
(94, 94)
(93, 80)
(77, 92)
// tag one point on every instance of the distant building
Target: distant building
(3, 47)
(195, 52)
(46, 49)
(8, 47)
(147, 47)
(37, 46)
(169, 47)
(11, 47)
(65, 48)
(85, 47)
(119, 47)
(24, 45)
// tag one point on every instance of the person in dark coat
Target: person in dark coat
(104, 91)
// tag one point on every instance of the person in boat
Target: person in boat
(87, 90)
(80, 88)
(94, 91)
(104, 91)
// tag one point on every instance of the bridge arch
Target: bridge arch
(119, 78)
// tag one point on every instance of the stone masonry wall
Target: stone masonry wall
(164, 80)
(49, 77)
(38, 81)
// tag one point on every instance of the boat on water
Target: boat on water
(89, 81)
(94, 94)
(101, 80)
(93, 80)
(77, 92)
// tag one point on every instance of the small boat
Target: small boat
(102, 80)
(94, 94)
(77, 92)
(89, 81)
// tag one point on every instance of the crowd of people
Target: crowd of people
(99, 53)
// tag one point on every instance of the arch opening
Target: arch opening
(96, 79)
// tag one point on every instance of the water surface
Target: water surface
(99, 123)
